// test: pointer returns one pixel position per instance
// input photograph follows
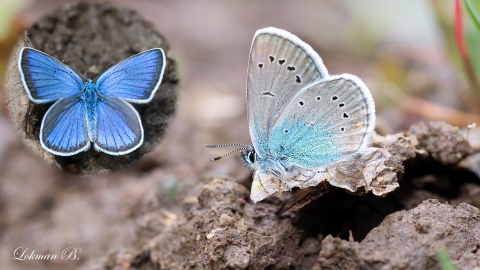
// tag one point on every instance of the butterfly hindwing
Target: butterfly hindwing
(45, 78)
(326, 122)
(136, 78)
(119, 129)
(64, 127)
(280, 65)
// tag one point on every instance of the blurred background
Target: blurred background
(406, 52)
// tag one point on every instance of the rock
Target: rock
(444, 142)
(410, 240)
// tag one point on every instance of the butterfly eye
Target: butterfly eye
(251, 156)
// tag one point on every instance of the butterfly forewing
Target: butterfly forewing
(45, 78)
(135, 79)
(325, 123)
(119, 130)
(280, 65)
(64, 129)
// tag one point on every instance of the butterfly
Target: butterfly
(301, 119)
(87, 111)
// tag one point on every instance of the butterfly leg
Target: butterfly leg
(281, 178)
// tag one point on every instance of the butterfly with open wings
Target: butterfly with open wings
(87, 111)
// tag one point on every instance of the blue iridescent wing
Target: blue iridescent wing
(280, 65)
(119, 129)
(64, 128)
(326, 122)
(135, 79)
(45, 78)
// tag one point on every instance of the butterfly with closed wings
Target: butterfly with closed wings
(86, 111)
(300, 117)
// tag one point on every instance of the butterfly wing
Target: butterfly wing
(135, 79)
(64, 130)
(45, 78)
(119, 129)
(326, 122)
(280, 65)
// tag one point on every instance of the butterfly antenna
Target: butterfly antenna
(229, 153)
(74, 69)
(96, 77)
(225, 145)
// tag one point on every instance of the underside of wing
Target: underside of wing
(280, 65)
(327, 122)
(64, 129)
(119, 129)
(136, 78)
(45, 78)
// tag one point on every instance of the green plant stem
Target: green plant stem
(472, 12)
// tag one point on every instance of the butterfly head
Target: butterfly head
(249, 157)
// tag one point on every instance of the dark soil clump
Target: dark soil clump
(410, 240)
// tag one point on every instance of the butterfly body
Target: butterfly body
(91, 111)
(90, 98)
(301, 119)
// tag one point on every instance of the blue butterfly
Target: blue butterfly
(301, 119)
(91, 111)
